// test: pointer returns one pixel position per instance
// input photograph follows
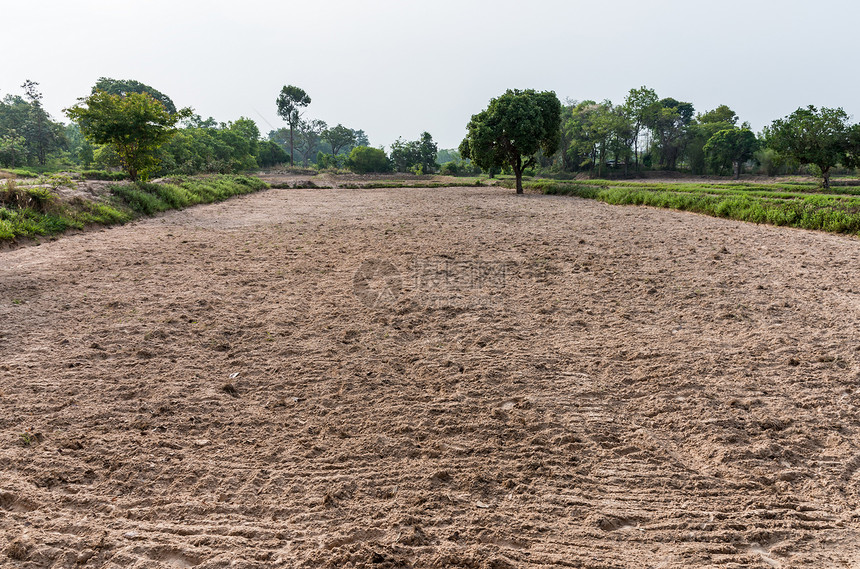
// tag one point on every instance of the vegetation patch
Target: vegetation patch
(789, 204)
(34, 212)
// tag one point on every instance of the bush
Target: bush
(364, 160)
(105, 175)
(20, 173)
(450, 169)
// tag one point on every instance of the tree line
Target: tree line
(646, 131)
(133, 126)
(127, 124)
(527, 129)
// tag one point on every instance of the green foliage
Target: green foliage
(640, 107)
(670, 130)
(123, 87)
(270, 154)
(733, 146)
(35, 211)
(721, 115)
(309, 133)
(230, 148)
(21, 173)
(37, 199)
(791, 204)
(327, 161)
(135, 125)
(414, 155)
(339, 138)
(590, 132)
(27, 133)
(364, 160)
(103, 175)
(450, 169)
(812, 136)
(512, 129)
(290, 101)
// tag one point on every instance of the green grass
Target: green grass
(124, 203)
(794, 204)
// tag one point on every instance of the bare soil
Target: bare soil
(456, 377)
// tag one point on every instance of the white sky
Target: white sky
(399, 67)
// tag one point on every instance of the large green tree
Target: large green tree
(338, 137)
(135, 125)
(310, 132)
(40, 133)
(733, 146)
(821, 137)
(700, 131)
(512, 129)
(670, 130)
(641, 107)
(290, 102)
(364, 160)
(125, 86)
(415, 155)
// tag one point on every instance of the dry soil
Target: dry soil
(455, 377)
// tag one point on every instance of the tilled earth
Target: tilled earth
(455, 377)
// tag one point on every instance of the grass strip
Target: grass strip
(836, 213)
(124, 203)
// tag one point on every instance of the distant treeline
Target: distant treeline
(644, 132)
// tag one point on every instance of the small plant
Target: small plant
(29, 439)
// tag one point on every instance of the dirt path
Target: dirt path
(527, 381)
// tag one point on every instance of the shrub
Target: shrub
(450, 169)
(105, 175)
(364, 160)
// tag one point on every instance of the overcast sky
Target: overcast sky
(398, 67)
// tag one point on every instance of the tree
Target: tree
(123, 87)
(135, 125)
(641, 108)
(722, 114)
(417, 156)
(309, 137)
(289, 102)
(670, 128)
(700, 131)
(587, 131)
(247, 129)
(734, 146)
(12, 149)
(364, 159)
(511, 130)
(338, 137)
(813, 136)
(42, 135)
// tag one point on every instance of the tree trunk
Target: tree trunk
(518, 173)
(826, 174)
(738, 171)
(291, 146)
(636, 151)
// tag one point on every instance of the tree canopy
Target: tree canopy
(512, 129)
(125, 86)
(821, 137)
(135, 125)
(732, 146)
(290, 102)
(364, 159)
(417, 156)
